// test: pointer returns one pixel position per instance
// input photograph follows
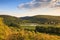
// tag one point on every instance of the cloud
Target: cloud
(34, 4)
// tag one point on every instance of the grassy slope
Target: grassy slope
(28, 35)
(4, 29)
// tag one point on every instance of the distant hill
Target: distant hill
(39, 19)
(10, 20)
(42, 19)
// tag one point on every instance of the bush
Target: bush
(52, 30)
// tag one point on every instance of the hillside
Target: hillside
(11, 29)
(4, 30)
(42, 19)
(39, 19)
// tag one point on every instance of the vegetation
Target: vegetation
(39, 19)
(50, 30)
(28, 35)
(4, 30)
(43, 19)
(43, 28)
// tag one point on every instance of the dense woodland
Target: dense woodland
(47, 28)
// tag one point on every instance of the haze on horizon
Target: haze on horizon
(22, 8)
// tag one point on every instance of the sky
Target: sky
(20, 8)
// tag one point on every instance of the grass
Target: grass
(31, 35)
(28, 27)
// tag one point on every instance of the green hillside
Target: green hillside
(43, 19)
(27, 28)
(38, 19)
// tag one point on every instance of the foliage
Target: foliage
(11, 29)
(39, 19)
(28, 35)
(4, 30)
(51, 30)
(43, 19)
(10, 20)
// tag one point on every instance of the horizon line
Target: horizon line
(27, 16)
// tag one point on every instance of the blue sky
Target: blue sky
(10, 5)
(31, 7)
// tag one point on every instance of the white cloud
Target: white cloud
(40, 7)
(34, 4)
